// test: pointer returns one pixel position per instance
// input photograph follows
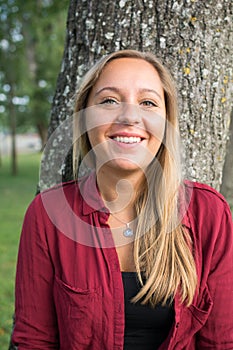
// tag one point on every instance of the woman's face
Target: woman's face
(126, 113)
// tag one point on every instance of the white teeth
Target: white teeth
(130, 139)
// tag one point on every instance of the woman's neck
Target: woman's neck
(119, 190)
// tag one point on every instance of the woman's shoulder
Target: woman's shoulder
(56, 196)
(68, 188)
(204, 194)
(206, 206)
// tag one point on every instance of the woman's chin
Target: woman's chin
(125, 166)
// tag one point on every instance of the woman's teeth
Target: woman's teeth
(130, 139)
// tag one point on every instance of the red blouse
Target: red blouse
(69, 291)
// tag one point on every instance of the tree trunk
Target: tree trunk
(227, 182)
(42, 132)
(0, 157)
(14, 168)
(12, 118)
(31, 41)
(193, 38)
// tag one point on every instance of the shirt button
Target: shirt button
(177, 324)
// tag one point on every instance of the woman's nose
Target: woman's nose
(129, 114)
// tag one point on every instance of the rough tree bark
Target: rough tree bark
(192, 37)
(227, 183)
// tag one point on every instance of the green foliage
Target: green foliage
(31, 50)
(16, 194)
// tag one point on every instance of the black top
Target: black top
(145, 327)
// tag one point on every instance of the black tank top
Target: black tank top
(145, 328)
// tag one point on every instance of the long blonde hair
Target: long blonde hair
(164, 255)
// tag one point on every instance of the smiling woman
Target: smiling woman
(132, 114)
(128, 255)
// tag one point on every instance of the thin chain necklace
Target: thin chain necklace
(127, 232)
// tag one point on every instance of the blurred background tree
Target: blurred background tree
(31, 46)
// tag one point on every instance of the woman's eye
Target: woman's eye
(108, 101)
(149, 103)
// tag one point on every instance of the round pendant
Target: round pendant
(128, 232)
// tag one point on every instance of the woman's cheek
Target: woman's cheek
(156, 126)
(99, 117)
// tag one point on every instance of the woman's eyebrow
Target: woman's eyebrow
(117, 90)
(143, 90)
(111, 88)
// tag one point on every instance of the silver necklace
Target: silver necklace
(127, 232)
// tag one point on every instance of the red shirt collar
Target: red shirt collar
(92, 201)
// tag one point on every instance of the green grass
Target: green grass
(16, 192)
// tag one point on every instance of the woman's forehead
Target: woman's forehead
(129, 72)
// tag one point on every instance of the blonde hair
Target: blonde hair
(164, 255)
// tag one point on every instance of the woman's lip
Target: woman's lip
(126, 134)
(128, 144)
